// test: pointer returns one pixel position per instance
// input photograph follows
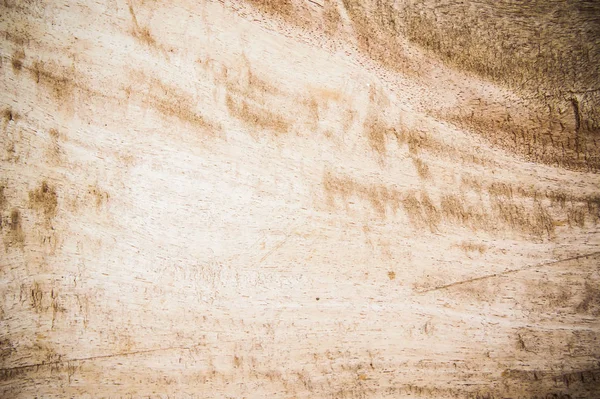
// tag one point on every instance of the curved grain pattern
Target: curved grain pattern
(299, 199)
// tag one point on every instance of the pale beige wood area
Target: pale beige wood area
(220, 199)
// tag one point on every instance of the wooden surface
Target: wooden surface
(213, 199)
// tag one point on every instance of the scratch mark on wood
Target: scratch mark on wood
(99, 357)
(472, 280)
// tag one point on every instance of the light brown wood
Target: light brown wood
(219, 199)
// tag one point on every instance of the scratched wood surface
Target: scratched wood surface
(219, 199)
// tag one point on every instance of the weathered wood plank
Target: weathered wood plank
(227, 199)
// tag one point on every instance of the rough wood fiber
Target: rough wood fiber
(298, 199)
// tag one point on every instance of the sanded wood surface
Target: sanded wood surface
(292, 199)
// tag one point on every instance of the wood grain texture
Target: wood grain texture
(294, 199)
